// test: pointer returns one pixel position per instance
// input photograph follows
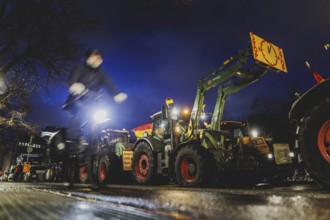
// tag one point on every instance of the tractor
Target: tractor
(110, 151)
(105, 159)
(311, 114)
(196, 154)
(275, 159)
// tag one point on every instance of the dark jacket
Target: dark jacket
(93, 79)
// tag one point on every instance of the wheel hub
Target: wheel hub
(142, 167)
(83, 173)
(323, 141)
(102, 172)
(191, 169)
(188, 169)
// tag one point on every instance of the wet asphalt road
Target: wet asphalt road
(55, 201)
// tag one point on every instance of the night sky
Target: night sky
(152, 53)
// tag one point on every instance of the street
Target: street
(164, 109)
(55, 201)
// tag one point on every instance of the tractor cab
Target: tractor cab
(160, 127)
(237, 129)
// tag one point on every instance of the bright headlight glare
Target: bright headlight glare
(254, 133)
(100, 116)
(175, 111)
(177, 129)
(291, 154)
(270, 156)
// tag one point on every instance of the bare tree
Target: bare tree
(272, 115)
(37, 47)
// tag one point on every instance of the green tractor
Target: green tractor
(107, 159)
(196, 154)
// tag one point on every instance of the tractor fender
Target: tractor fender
(308, 100)
(195, 143)
(154, 144)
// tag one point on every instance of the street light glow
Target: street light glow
(185, 111)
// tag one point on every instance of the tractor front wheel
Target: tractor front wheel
(190, 167)
(314, 142)
(143, 164)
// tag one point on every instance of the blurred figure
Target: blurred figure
(85, 83)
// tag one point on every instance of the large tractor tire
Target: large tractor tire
(314, 143)
(69, 171)
(83, 174)
(103, 174)
(143, 165)
(86, 174)
(190, 167)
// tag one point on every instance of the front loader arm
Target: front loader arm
(229, 80)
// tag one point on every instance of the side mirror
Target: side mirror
(165, 113)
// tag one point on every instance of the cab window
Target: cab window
(238, 133)
(160, 128)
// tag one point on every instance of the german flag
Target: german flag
(318, 78)
(141, 130)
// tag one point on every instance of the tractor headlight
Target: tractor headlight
(100, 116)
(177, 129)
(175, 112)
(270, 156)
(254, 133)
(203, 116)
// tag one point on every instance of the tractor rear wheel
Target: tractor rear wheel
(143, 164)
(103, 171)
(190, 167)
(70, 172)
(86, 174)
(83, 174)
(314, 143)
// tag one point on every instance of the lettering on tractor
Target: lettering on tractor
(127, 160)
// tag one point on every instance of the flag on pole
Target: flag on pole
(318, 78)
